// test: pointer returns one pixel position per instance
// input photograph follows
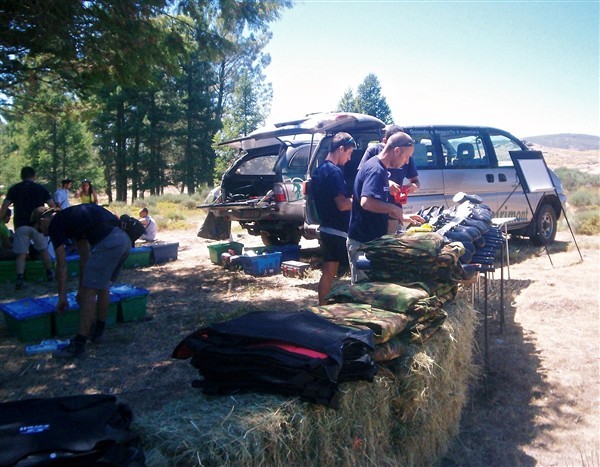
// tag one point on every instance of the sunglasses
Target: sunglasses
(407, 144)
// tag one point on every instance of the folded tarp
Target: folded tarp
(289, 353)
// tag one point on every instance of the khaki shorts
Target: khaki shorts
(25, 236)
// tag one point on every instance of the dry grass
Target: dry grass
(408, 415)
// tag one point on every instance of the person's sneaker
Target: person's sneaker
(97, 339)
(50, 275)
(97, 333)
(70, 351)
(19, 283)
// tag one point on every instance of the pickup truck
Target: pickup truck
(263, 189)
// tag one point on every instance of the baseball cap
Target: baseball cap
(40, 212)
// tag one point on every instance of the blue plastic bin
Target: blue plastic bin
(139, 257)
(262, 265)
(163, 252)
(132, 302)
(288, 252)
(28, 320)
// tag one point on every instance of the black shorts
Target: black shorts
(334, 248)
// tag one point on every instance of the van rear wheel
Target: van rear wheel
(290, 236)
(545, 226)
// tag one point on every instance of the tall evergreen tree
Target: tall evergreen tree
(370, 101)
(347, 103)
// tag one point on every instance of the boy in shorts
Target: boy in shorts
(333, 208)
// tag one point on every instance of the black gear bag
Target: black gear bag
(86, 430)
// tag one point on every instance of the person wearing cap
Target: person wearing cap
(370, 199)
(333, 208)
(407, 171)
(103, 248)
(25, 196)
(87, 193)
(61, 196)
(150, 234)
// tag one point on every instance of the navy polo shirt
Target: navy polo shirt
(327, 182)
(371, 181)
(408, 170)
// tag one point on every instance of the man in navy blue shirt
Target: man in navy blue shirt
(397, 176)
(333, 208)
(91, 226)
(370, 200)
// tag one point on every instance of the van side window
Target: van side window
(463, 150)
(423, 154)
(502, 147)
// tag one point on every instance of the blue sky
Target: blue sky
(528, 67)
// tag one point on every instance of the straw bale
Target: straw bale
(407, 416)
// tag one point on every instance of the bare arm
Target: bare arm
(343, 203)
(381, 207)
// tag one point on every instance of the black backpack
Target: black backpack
(86, 430)
(134, 228)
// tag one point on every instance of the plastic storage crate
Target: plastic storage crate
(8, 272)
(216, 249)
(163, 252)
(294, 269)
(35, 271)
(139, 257)
(67, 323)
(72, 265)
(132, 302)
(28, 320)
(288, 252)
(262, 265)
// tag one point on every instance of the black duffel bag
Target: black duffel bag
(85, 430)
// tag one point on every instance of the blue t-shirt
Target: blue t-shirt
(82, 221)
(371, 181)
(408, 170)
(327, 183)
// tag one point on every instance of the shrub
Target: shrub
(572, 179)
(585, 197)
(588, 222)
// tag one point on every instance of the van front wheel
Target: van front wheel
(544, 229)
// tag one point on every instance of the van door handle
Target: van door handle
(490, 178)
(501, 177)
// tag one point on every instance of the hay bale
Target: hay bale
(407, 416)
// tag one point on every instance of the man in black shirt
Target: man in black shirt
(103, 248)
(25, 196)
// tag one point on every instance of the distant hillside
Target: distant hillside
(567, 141)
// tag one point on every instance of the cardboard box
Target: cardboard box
(28, 320)
(262, 265)
(139, 257)
(296, 269)
(132, 302)
(215, 250)
(163, 252)
(8, 272)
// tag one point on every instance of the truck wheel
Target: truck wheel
(286, 237)
(545, 225)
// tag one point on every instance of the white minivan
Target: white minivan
(474, 160)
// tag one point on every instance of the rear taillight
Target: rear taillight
(279, 195)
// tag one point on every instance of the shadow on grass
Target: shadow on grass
(500, 415)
